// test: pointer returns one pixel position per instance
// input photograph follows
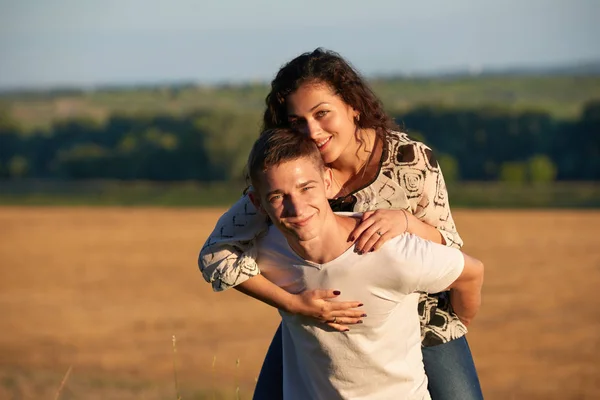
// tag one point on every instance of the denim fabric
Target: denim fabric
(449, 367)
(270, 380)
(451, 371)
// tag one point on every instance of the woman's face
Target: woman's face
(315, 110)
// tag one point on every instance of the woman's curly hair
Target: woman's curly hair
(328, 67)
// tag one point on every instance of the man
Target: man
(307, 248)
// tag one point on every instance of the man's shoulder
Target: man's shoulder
(408, 246)
(396, 248)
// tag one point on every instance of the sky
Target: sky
(88, 43)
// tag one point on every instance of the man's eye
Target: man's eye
(273, 199)
(305, 188)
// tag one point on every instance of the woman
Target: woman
(374, 168)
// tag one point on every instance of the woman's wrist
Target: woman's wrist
(406, 221)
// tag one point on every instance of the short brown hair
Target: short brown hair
(277, 146)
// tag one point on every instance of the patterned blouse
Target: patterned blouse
(409, 178)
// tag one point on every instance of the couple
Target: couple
(373, 167)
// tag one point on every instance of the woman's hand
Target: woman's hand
(337, 314)
(377, 227)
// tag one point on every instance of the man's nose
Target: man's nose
(293, 206)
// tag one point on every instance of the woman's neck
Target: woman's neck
(359, 166)
(356, 156)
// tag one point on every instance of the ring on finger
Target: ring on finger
(379, 233)
(334, 320)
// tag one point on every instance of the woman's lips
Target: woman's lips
(323, 145)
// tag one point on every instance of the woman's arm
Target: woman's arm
(310, 303)
(228, 259)
(433, 206)
(429, 216)
(377, 227)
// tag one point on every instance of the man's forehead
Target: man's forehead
(291, 173)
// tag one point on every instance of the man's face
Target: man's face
(294, 195)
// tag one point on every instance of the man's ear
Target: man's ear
(328, 181)
(255, 199)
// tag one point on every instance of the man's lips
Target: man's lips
(300, 222)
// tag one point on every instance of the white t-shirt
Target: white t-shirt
(379, 359)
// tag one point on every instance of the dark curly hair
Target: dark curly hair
(328, 67)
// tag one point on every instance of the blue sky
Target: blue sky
(46, 43)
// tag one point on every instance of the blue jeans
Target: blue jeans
(451, 372)
(449, 367)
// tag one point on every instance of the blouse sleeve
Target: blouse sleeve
(228, 256)
(432, 205)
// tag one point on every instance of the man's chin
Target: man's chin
(300, 235)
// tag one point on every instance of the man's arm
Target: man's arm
(465, 291)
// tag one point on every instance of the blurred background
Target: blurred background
(124, 129)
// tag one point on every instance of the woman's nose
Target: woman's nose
(313, 129)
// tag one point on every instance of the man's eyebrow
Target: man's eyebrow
(298, 186)
(304, 184)
(312, 109)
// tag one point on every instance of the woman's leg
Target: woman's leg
(451, 371)
(270, 379)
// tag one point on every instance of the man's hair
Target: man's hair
(277, 146)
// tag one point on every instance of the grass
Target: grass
(104, 289)
(63, 382)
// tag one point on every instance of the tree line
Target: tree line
(485, 144)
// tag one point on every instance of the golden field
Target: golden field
(105, 289)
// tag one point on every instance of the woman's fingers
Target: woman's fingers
(342, 323)
(367, 230)
(370, 237)
(316, 305)
(325, 293)
(346, 316)
(344, 305)
(338, 327)
(362, 227)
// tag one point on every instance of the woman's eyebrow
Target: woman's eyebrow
(312, 109)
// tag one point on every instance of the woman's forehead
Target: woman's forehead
(308, 96)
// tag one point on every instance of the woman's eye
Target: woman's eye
(321, 114)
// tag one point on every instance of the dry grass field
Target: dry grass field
(104, 290)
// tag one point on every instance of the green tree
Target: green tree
(541, 169)
(450, 168)
(513, 172)
(18, 167)
(228, 139)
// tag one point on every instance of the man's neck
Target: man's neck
(330, 244)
